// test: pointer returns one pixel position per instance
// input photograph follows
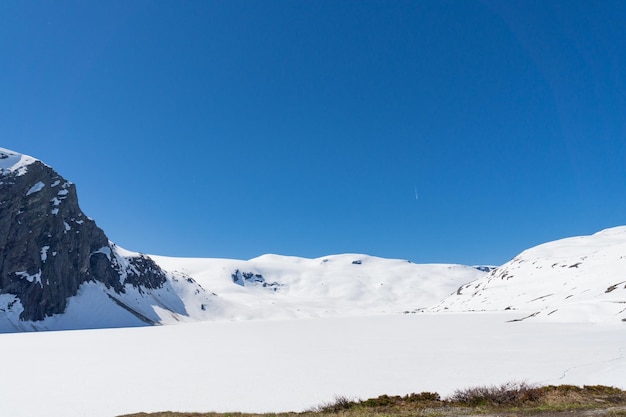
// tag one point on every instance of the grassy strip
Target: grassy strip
(510, 398)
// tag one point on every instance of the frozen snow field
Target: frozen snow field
(290, 365)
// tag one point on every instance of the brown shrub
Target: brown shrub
(509, 393)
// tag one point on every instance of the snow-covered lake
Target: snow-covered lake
(291, 365)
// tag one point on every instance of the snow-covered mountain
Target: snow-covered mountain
(58, 270)
(575, 279)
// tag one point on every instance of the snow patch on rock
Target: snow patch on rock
(44, 253)
(30, 277)
(35, 188)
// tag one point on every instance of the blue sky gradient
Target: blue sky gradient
(238, 128)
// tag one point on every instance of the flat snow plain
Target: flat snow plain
(291, 365)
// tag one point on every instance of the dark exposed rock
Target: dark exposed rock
(48, 247)
(486, 268)
(246, 279)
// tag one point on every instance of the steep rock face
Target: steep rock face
(48, 247)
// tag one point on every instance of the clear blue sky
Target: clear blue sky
(238, 128)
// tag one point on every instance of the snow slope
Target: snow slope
(575, 279)
(11, 161)
(282, 287)
(267, 287)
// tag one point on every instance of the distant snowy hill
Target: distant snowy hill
(576, 279)
(274, 286)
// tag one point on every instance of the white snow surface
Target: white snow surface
(281, 365)
(576, 279)
(331, 286)
(11, 161)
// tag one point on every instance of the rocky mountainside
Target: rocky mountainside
(49, 247)
(575, 279)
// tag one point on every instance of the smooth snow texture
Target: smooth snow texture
(284, 287)
(575, 279)
(269, 366)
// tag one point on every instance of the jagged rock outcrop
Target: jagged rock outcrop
(48, 247)
(247, 279)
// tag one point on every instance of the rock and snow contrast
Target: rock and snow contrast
(285, 287)
(58, 270)
(279, 333)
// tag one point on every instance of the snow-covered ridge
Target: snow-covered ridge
(574, 279)
(282, 287)
(267, 287)
(11, 162)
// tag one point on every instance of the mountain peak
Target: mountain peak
(49, 248)
(14, 162)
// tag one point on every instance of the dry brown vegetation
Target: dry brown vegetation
(509, 400)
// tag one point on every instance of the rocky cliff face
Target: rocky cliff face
(48, 247)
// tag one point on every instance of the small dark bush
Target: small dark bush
(339, 403)
(396, 400)
(505, 394)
